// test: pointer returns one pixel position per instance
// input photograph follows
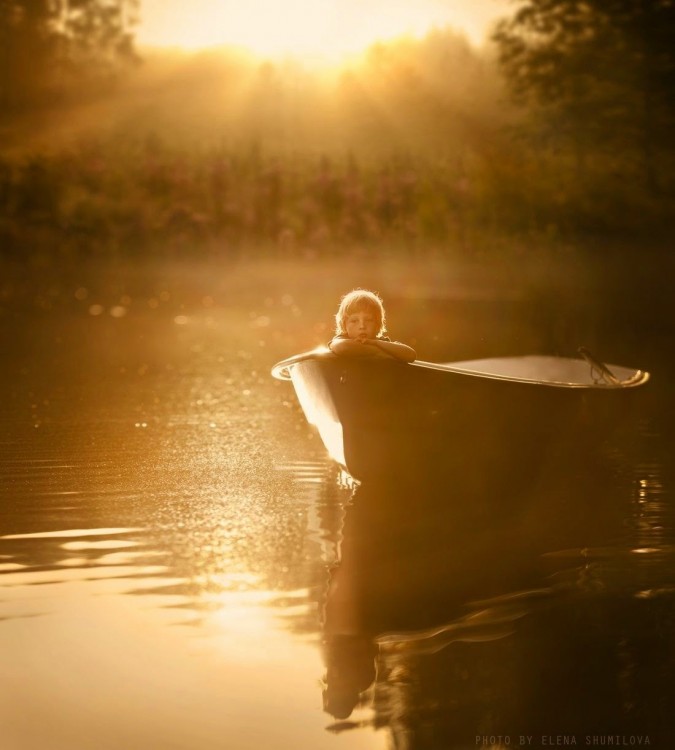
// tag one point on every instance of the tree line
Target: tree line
(415, 145)
(597, 77)
(53, 51)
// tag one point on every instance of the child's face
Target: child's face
(362, 324)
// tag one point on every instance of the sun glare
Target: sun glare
(308, 29)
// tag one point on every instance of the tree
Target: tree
(600, 73)
(50, 49)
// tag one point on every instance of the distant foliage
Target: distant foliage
(56, 50)
(599, 76)
(413, 148)
(144, 197)
(119, 198)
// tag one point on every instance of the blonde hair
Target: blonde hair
(355, 301)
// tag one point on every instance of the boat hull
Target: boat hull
(380, 417)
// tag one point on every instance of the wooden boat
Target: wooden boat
(478, 418)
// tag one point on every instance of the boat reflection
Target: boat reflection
(410, 557)
(443, 622)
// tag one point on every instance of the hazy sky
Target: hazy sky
(307, 28)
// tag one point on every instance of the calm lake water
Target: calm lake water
(181, 567)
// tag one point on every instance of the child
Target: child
(360, 329)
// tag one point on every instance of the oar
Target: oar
(606, 374)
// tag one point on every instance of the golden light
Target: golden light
(315, 30)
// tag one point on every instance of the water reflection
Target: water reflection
(445, 620)
(181, 628)
(162, 543)
(176, 557)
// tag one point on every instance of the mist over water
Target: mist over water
(180, 564)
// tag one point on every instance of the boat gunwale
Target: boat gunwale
(638, 378)
(281, 371)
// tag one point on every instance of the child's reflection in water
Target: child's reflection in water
(410, 559)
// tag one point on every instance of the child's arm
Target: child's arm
(394, 349)
(354, 348)
(372, 348)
